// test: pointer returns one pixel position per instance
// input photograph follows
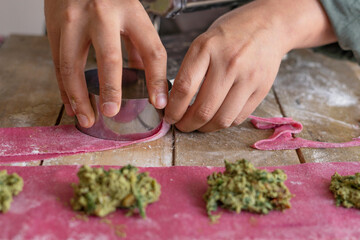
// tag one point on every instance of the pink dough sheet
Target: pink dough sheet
(42, 210)
(282, 139)
(36, 143)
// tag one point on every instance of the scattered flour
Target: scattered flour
(319, 80)
(20, 164)
(296, 183)
(24, 204)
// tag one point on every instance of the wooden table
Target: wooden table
(320, 92)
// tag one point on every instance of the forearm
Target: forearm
(301, 24)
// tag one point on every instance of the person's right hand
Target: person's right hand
(73, 25)
(232, 66)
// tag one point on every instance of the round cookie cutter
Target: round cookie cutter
(137, 117)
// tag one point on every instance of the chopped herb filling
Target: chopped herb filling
(346, 190)
(10, 186)
(99, 192)
(244, 187)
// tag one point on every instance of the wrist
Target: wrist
(298, 24)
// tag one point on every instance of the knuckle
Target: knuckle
(110, 57)
(158, 53)
(71, 15)
(234, 63)
(224, 122)
(204, 42)
(66, 69)
(158, 84)
(240, 119)
(110, 92)
(78, 103)
(248, 80)
(182, 84)
(181, 88)
(98, 7)
(204, 114)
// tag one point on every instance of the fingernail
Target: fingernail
(83, 120)
(161, 100)
(110, 109)
(68, 109)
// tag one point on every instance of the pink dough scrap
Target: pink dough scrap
(282, 138)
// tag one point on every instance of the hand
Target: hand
(73, 25)
(235, 62)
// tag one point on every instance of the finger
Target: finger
(134, 59)
(153, 55)
(54, 40)
(250, 106)
(188, 80)
(209, 99)
(230, 108)
(74, 47)
(106, 41)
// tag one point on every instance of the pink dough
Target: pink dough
(35, 143)
(42, 210)
(283, 136)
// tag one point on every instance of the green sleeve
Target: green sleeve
(344, 16)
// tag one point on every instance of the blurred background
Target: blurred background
(27, 17)
(22, 17)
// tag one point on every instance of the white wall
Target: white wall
(22, 17)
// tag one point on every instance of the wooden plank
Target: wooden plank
(211, 149)
(323, 94)
(28, 90)
(22, 164)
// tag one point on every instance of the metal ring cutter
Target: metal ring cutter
(137, 117)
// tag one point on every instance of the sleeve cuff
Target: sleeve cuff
(344, 16)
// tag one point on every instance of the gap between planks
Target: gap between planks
(173, 145)
(298, 151)
(57, 122)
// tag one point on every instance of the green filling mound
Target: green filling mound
(10, 185)
(346, 190)
(244, 187)
(99, 192)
